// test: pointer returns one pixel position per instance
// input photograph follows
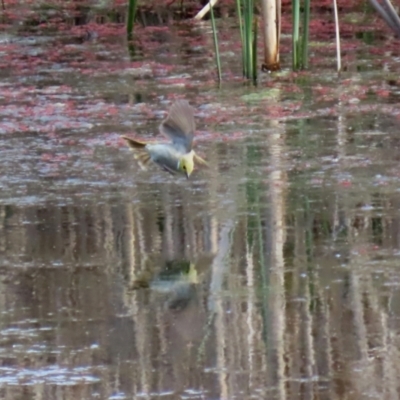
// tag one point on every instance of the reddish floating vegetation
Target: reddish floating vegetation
(70, 69)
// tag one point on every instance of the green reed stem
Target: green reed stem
(249, 38)
(249, 41)
(239, 13)
(306, 30)
(215, 37)
(295, 33)
(254, 61)
(132, 6)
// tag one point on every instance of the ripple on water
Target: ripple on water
(54, 374)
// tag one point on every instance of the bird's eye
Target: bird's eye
(184, 167)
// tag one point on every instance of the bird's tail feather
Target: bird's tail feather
(143, 159)
(138, 151)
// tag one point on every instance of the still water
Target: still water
(272, 274)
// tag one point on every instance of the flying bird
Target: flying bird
(176, 156)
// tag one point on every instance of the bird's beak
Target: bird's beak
(187, 175)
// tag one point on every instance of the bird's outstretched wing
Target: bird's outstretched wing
(179, 125)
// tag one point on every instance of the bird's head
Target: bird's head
(186, 164)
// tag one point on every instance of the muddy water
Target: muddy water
(272, 274)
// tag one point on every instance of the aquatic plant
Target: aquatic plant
(215, 38)
(337, 34)
(271, 26)
(248, 35)
(300, 37)
(132, 6)
(388, 13)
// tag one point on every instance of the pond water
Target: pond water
(274, 273)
